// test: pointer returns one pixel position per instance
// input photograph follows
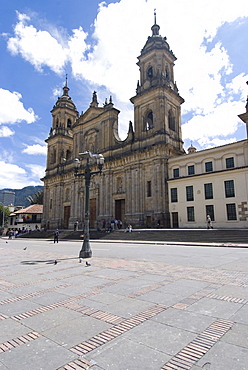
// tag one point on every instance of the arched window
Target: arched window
(172, 121)
(53, 156)
(148, 122)
(69, 123)
(150, 72)
(68, 155)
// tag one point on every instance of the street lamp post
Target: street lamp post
(86, 251)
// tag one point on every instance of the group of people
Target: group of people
(109, 226)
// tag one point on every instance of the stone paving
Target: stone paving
(137, 307)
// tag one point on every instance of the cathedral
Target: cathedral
(139, 183)
(133, 184)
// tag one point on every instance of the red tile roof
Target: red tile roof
(34, 208)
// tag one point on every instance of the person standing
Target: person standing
(209, 222)
(56, 235)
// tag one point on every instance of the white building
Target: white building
(210, 182)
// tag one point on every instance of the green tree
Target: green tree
(4, 214)
(37, 198)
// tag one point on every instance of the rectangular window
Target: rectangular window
(51, 203)
(230, 162)
(210, 212)
(174, 195)
(208, 189)
(229, 189)
(189, 193)
(208, 166)
(191, 170)
(176, 172)
(190, 214)
(149, 188)
(231, 211)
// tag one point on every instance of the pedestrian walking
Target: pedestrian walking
(56, 235)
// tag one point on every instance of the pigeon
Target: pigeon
(88, 264)
(24, 248)
(80, 260)
(55, 262)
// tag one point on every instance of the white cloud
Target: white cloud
(37, 171)
(35, 149)
(6, 132)
(222, 121)
(14, 177)
(38, 47)
(202, 74)
(13, 111)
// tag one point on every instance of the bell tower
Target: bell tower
(157, 103)
(60, 140)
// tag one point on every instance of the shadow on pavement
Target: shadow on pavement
(48, 262)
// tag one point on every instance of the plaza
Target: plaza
(140, 305)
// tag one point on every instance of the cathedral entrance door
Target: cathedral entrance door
(92, 212)
(67, 210)
(175, 223)
(120, 210)
(148, 221)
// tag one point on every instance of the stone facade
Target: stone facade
(133, 183)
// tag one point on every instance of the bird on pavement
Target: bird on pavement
(55, 262)
(88, 264)
(24, 248)
(80, 260)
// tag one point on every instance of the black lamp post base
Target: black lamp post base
(85, 254)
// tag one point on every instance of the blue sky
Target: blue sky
(97, 45)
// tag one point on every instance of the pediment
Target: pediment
(91, 113)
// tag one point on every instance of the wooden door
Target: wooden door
(175, 223)
(67, 210)
(120, 210)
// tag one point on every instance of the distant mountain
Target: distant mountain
(22, 194)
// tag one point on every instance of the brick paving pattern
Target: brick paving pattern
(67, 272)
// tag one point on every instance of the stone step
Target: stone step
(166, 235)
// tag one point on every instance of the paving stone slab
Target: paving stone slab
(238, 335)
(34, 355)
(160, 337)
(233, 291)
(185, 320)
(226, 356)
(215, 308)
(106, 298)
(74, 290)
(86, 281)
(128, 307)
(112, 273)
(158, 297)
(76, 331)
(16, 308)
(48, 298)
(241, 316)
(183, 287)
(10, 329)
(123, 354)
(127, 287)
(50, 319)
